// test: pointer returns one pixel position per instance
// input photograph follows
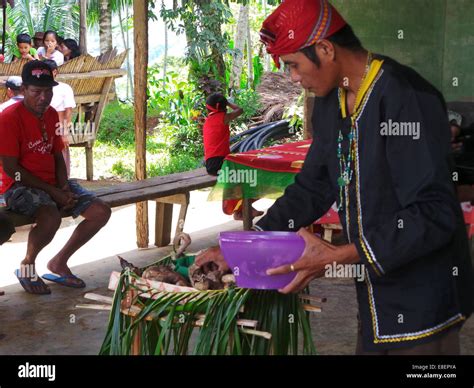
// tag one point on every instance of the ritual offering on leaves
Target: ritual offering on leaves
(182, 271)
(201, 311)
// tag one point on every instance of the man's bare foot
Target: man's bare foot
(239, 216)
(61, 269)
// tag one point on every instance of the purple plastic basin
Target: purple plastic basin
(250, 254)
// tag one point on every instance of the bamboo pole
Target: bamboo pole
(140, 21)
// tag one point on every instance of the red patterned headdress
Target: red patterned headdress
(297, 24)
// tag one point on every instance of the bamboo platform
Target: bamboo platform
(144, 288)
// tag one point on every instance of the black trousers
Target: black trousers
(213, 165)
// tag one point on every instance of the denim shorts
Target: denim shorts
(27, 200)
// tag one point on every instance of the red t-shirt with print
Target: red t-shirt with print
(20, 137)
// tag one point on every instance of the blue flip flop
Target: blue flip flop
(62, 280)
(28, 283)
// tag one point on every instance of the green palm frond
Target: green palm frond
(93, 9)
(29, 17)
(167, 324)
(61, 16)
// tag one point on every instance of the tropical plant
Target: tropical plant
(201, 21)
(165, 323)
(257, 71)
(249, 101)
(180, 106)
(29, 17)
(295, 113)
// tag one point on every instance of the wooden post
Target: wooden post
(83, 27)
(4, 12)
(140, 22)
(89, 161)
(308, 115)
(163, 218)
(247, 213)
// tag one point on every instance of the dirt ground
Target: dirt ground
(335, 329)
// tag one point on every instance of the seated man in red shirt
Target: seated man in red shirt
(35, 181)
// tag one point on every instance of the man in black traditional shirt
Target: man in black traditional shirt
(381, 150)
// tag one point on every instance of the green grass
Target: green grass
(114, 150)
(117, 128)
(163, 165)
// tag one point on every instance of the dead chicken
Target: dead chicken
(163, 273)
(208, 277)
(159, 273)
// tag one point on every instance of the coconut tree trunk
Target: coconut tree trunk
(165, 55)
(249, 57)
(105, 26)
(124, 34)
(268, 65)
(83, 26)
(239, 47)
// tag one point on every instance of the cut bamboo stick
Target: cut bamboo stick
(312, 298)
(133, 311)
(257, 333)
(105, 307)
(99, 298)
(240, 322)
(312, 309)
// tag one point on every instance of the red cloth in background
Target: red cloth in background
(290, 158)
(283, 158)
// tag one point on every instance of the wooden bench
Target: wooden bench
(166, 191)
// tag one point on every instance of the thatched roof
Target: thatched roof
(277, 92)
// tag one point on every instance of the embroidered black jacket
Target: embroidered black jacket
(400, 209)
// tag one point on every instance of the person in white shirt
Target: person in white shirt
(49, 49)
(63, 102)
(13, 86)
